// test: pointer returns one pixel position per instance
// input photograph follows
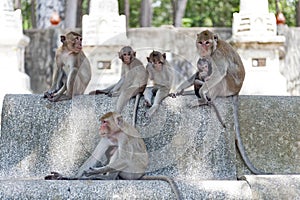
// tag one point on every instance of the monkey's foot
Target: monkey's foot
(147, 103)
(198, 102)
(96, 92)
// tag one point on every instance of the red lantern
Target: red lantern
(280, 19)
(55, 19)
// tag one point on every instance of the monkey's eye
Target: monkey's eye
(126, 54)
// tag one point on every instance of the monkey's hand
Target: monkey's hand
(173, 95)
(110, 94)
(48, 94)
(54, 176)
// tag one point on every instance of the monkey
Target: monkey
(228, 71)
(72, 73)
(204, 71)
(203, 74)
(161, 74)
(124, 151)
(132, 83)
(226, 80)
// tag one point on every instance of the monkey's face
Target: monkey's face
(73, 42)
(104, 128)
(108, 127)
(127, 55)
(156, 59)
(203, 67)
(206, 43)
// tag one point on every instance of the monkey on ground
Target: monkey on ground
(72, 73)
(121, 152)
(161, 73)
(132, 83)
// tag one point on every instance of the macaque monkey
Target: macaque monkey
(226, 80)
(203, 74)
(228, 71)
(160, 72)
(73, 71)
(123, 150)
(132, 83)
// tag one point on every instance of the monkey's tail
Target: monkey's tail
(238, 140)
(167, 179)
(135, 109)
(211, 103)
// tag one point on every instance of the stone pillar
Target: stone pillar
(254, 35)
(12, 46)
(103, 25)
(104, 34)
(254, 19)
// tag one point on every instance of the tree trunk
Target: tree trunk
(298, 13)
(146, 13)
(33, 13)
(79, 13)
(17, 4)
(71, 13)
(178, 11)
(45, 9)
(127, 12)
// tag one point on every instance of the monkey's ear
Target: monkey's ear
(120, 55)
(216, 38)
(164, 55)
(119, 121)
(148, 59)
(63, 38)
(134, 53)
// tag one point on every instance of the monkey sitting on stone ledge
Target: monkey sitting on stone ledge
(124, 152)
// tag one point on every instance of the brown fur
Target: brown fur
(72, 73)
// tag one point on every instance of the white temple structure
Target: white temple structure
(103, 25)
(254, 35)
(12, 47)
(104, 34)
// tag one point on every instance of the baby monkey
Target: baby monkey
(203, 74)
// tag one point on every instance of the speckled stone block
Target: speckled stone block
(270, 130)
(39, 136)
(107, 190)
(274, 186)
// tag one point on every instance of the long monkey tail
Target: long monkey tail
(135, 109)
(166, 179)
(238, 139)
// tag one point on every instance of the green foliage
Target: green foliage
(208, 13)
(287, 7)
(26, 14)
(199, 13)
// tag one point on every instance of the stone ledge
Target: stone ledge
(40, 189)
(38, 136)
(274, 186)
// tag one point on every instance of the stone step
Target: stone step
(121, 189)
(274, 186)
(250, 187)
